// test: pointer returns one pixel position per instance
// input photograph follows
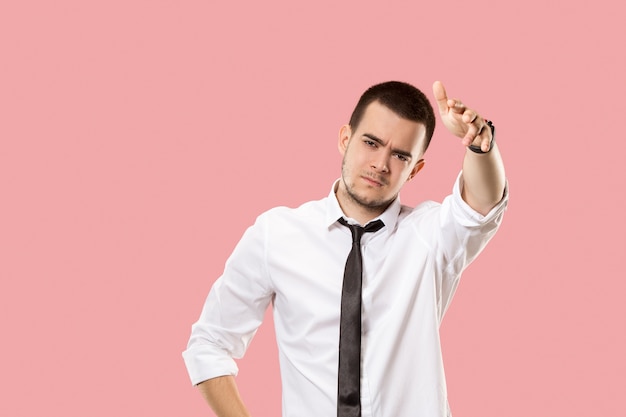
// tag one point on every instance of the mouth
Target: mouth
(373, 181)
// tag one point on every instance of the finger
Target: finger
(482, 142)
(470, 116)
(439, 92)
(481, 129)
(487, 138)
(457, 106)
(482, 138)
(475, 131)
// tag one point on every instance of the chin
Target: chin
(373, 203)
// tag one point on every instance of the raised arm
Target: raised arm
(483, 173)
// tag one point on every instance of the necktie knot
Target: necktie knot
(357, 231)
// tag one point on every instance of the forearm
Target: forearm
(223, 396)
(483, 179)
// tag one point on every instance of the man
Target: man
(408, 262)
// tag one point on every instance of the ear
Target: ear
(344, 137)
(417, 168)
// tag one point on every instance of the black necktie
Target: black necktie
(349, 383)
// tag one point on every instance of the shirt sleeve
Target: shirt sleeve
(462, 234)
(233, 310)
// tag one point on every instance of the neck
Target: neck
(356, 210)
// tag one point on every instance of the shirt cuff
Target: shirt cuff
(472, 216)
(205, 362)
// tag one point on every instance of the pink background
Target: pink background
(140, 138)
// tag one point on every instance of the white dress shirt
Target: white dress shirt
(295, 259)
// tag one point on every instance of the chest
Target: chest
(307, 273)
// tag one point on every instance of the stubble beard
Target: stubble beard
(377, 206)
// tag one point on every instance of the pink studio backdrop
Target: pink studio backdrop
(140, 138)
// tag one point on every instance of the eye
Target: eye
(370, 143)
(402, 158)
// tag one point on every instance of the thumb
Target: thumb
(440, 95)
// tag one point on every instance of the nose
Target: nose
(380, 162)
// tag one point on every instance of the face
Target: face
(379, 157)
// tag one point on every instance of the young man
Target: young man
(357, 310)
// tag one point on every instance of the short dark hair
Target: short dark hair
(403, 99)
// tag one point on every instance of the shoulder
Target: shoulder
(421, 211)
(308, 212)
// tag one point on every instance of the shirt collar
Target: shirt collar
(333, 210)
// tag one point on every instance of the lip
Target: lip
(372, 181)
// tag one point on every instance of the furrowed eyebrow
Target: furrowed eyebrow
(382, 143)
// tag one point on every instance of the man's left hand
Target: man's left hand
(462, 121)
